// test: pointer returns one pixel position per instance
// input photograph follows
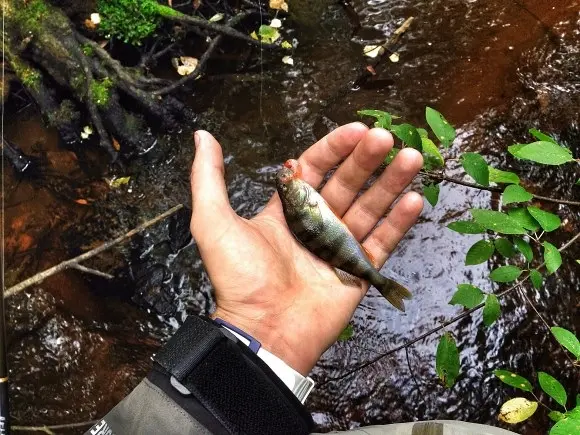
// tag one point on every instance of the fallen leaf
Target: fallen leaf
(95, 18)
(288, 60)
(276, 23)
(285, 44)
(196, 4)
(394, 57)
(90, 25)
(253, 35)
(371, 70)
(118, 182)
(185, 65)
(116, 144)
(217, 17)
(373, 50)
(82, 201)
(279, 4)
(87, 131)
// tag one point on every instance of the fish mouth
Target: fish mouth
(285, 175)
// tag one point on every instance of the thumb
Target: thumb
(211, 210)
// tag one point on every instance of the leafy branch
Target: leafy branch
(444, 324)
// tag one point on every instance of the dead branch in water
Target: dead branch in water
(75, 262)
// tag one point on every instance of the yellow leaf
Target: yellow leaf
(118, 182)
(82, 201)
(279, 4)
(517, 410)
(253, 35)
(286, 45)
(373, 50)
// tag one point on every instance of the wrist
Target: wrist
(274, 339)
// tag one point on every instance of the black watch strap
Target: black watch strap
(230, 381)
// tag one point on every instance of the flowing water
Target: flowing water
(79, 343)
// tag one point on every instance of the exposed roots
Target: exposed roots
(76, 82)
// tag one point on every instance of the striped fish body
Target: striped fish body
(321, 232)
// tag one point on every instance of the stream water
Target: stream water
(79, 343)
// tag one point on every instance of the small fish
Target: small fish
(319, 230)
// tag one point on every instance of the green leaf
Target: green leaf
(491, 310)
(512, 149)
(556, 416)
(479, 252)
(515, 193)
(499, 176)
(476, 166)
(466, 227)
(447, 360)
(524, 218)
(346, 333)
(467, 296)
(568, 426)
(432, 156)
(552, 257)
(391, 156)
(384, 119)
(408, 134)
(517, 410)
(546, 153)
(553, 388)
(440, 126)
(548, 221)
(568, 340)
(505, 274)
(431, 192)
(514, 380)
(422, 132)
(268, 34)
(536, 278)
(497, 221)
(505, 247)
(574, 413)
(525, 248)
(541, 136)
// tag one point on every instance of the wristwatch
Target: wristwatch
(299, 385)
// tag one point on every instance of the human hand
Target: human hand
(265, 282)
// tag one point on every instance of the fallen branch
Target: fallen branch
(49, 429)
(441, 177)
(195, 74)
(443, 325)
(74, 262)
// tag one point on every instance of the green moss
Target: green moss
(28, 76)
(101, 91)
(129, 20)
(29, 14)
(87, 50)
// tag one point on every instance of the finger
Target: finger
(329, 151)
(350, 177)
(321, 157)
(367, 210)
(210, 204)
(384, 239)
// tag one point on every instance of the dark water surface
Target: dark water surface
(78, 343)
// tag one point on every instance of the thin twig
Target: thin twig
(442, 177)
(49, 429)
(531, 304)
(443, 325)
(91, 271)
(215, 27)
(73, 262)
(195, 74)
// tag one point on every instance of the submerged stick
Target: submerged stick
(74, 262)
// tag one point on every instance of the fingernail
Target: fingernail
(196, 139)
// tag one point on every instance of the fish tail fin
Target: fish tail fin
(394, 293)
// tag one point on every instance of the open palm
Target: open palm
(265, 282)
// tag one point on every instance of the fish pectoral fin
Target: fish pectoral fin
(370, 256)
(347, 279)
